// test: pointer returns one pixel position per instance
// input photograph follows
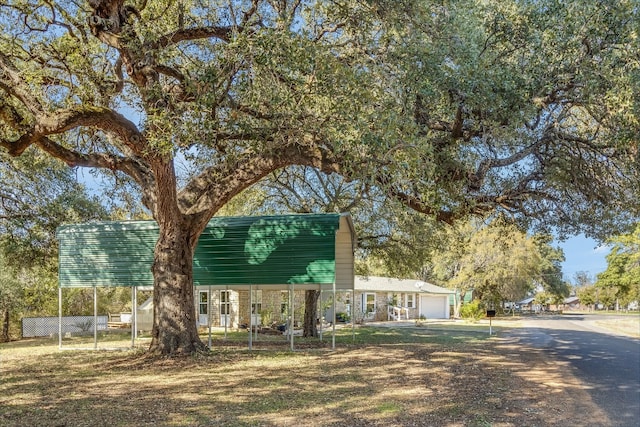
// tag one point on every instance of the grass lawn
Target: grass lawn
(457, 376)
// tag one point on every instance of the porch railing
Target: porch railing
(397, 313)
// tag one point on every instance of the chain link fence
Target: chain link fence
(48, 326)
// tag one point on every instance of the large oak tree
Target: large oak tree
(454, 108)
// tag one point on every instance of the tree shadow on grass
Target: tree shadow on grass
(409, 377)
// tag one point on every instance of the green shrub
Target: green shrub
(342, 317)
(473, 311)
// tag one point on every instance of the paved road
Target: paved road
(608, 363)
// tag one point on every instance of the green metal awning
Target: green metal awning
(232, 251)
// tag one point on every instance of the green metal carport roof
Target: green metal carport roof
(309, 251)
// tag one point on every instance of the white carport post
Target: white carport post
(59, 317)
(209, 314)
(250, 330)
(333, 335)
(320, 312)
(353, 315)
(95, 317)
(291, 311)
(134, 312)
(251, 311)
(227, 310)
(134, 316)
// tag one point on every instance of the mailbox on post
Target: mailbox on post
(490, 314)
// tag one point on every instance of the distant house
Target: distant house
(386, 298)
(526, 304)
(571, 303)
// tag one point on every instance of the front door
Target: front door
(225, 305)
(203, 308)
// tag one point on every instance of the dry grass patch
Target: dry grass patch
(629, 326)
(398, 377)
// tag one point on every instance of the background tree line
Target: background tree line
(618, 287)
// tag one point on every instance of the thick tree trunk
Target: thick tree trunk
(310, 313)
(174, 321)
(4, 334)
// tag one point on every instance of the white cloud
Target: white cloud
(602, 249)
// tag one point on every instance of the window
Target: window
(369, 303)
(225, 302)
(256, 302)
(204, 302)
(411, 302)
(284, 302)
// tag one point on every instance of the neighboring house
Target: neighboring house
(527, 304)
(571, 303)
(385, 298)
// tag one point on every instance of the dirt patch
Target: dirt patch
(420, 381)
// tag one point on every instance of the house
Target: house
(386, 298)
(527, 304)
(376, 299)
(571, 303)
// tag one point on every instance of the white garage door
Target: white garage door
(434, 307)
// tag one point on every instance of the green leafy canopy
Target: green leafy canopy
(454, 108)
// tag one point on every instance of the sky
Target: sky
(583, 254)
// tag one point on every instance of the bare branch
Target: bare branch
(217, 184)
(105, 119)
(16, 148)
(98, 117)
(476, 179)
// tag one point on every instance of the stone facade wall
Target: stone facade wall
(272, 306)
(344, 300)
